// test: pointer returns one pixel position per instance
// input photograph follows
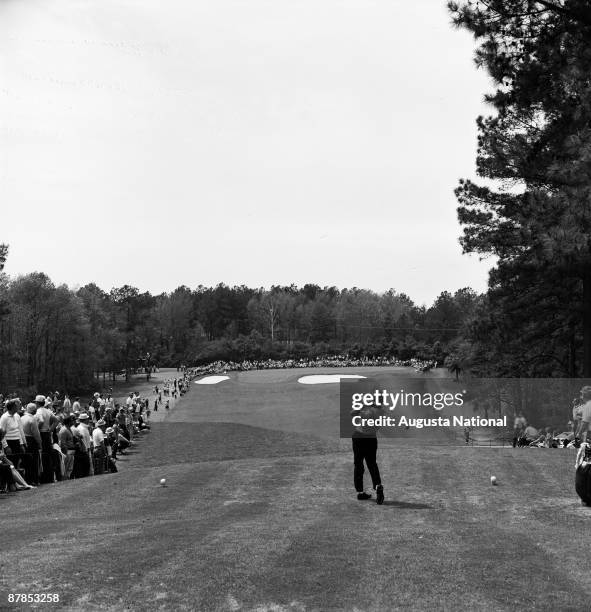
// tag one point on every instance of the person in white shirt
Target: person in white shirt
(67, 405)
(47, 422)
(585, 425)
(98, 442)
(76, 405)
(33, 437)
(14, 441)
(84, 432)
(10, 424)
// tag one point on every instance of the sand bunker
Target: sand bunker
(211, 380)
(322, 379)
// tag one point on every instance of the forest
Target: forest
(57, 337)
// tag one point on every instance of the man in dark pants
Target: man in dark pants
(365, 448)
(33, 439)
(47, 421)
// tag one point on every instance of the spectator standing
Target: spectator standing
(92, 409)
(585, 424)
(577, 412)
(122, 423)
(76, 405)
(98, 442)
(81, 467)
(33, 440)
(111, 442)
(14, 441)
(519, 426)
(67, 405)
(47, 421)
(67, 447)
(86, 439)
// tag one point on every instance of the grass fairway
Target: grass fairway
(259, 513)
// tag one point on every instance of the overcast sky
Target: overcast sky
(251, 142)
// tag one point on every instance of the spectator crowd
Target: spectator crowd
(52, 438)
(328, 361)
(525, 434)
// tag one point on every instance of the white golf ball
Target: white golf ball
(493, 480)
(163, 481)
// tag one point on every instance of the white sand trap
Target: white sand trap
(211, 380)
(323, 379)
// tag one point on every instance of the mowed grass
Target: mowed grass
(264, 518)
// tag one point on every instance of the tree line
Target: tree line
(58, 337)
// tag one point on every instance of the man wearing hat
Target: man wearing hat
(111, 448)
(86, 439)
(47, 422)
(33, 438)
(14, 441)
(111, 442)
(98, 443)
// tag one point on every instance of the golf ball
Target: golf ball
(493, 480)
(163, 481)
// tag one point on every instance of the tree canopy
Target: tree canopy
(532, 209)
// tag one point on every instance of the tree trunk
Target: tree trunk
(587, 324)
(572, 365)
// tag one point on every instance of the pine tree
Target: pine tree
(3, 255)
(536, 146)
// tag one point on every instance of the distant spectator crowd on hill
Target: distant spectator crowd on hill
(54, 438)
(328, 361)
(525, 434)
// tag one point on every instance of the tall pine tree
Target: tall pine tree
(536, 147)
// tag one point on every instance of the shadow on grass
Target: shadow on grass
(410, 505)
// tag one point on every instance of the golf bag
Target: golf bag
(583, 474)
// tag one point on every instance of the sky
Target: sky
(259, 142)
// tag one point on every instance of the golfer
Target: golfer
(365, 448)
